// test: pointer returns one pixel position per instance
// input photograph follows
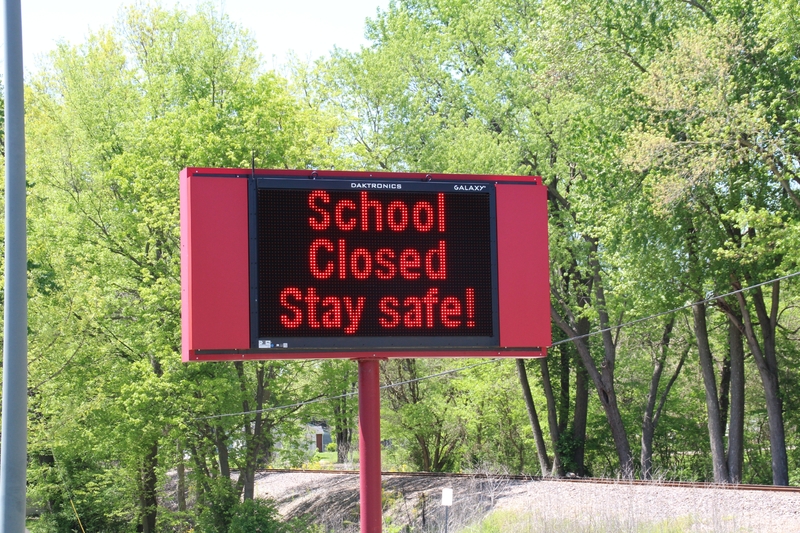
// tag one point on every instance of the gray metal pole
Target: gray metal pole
(13, 443)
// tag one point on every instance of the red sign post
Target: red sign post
(298, 264)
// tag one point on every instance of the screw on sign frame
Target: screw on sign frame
(293, 264)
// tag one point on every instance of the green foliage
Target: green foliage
(566, 446)
(498, 434)
(423, 418)
(225, 514)
(261, 516)
(649, 123)
(218, 507)
(98, 495)
(112, 121)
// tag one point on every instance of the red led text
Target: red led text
(333, 312)
(328, 259)
(328, 312)
(370, 214)
(333, 256)
(428, 311)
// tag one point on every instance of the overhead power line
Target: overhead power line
(346, 395)
(495, 360)
(687, 306)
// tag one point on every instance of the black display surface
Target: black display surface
(346, 264)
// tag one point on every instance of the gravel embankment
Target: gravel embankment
(691, 509)
(332, 499)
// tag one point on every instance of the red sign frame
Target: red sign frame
(216, 265)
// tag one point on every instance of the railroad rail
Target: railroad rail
(591, 480)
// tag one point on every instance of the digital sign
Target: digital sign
(285, 264)
(393, 260)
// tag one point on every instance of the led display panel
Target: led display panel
(378, 264)
(295, 264)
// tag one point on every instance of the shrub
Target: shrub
(261, 516)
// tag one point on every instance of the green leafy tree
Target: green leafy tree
(698, 152)
(423, 416)
(112, 122)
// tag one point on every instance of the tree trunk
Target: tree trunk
(344, 440)
(565, 370)
(725, 390)
(736, 420)
(777, 438)
(653, 414)
(247, 478)
(608, 398)
(603, 379)
(552, 418)
(581, 409)
(426, 454)
(579, 420)
(344, 431)
(544, 461)
(148, 495)
(647, 449)
(247, 470)
(604, 383)
(715, 430)
(767, 363)
(608, 395)
(222, 453)
(254, 430)
(648, 421)
(181, 490)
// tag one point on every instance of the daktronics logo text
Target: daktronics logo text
(376, 186)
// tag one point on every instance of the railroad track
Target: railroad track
(597, 481)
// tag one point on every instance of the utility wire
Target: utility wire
(346, 395)
(268, 409)
(687, 306)
(495, 360)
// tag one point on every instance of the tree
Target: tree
(541, 451)
(338, 380)
(698, 140)
(420, 415)
(479, 96)
(112, 122)
(652, 414)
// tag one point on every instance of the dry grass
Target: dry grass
(512, 522)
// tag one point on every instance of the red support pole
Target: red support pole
(369, 444)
